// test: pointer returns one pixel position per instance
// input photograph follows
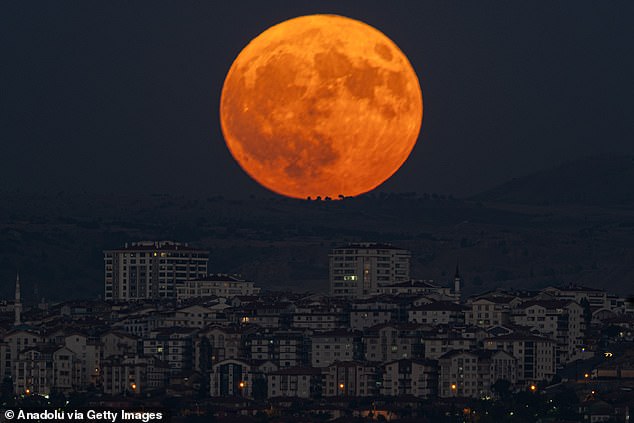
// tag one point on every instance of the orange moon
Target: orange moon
(321, 105)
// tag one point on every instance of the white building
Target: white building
(489, 311)
(173, 345)
(218, 285)
(597, 298)
(472, 373)
(438, 313)
(418, 378)
(350, 378)
(129, 375)
(392, 341)
(535, 355)
(297, 382)
(14, 342)
(236, 378)
(359, 270)
(559, 320)
(337, 345)
(417, 287)
(149, 269)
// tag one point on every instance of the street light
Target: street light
(533, 388)
(133, 386)
(342, 387)
(241, 385)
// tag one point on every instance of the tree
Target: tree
(502, 388)
(260, 389)
(6, 389)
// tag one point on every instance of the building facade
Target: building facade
(219, 285)
(359, 270)
(151, 270)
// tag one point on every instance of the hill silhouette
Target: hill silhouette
(570, 224)
(600, 181)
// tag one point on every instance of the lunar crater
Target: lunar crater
(321, 105)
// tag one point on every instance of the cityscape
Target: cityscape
(317, 211)
(378, 346)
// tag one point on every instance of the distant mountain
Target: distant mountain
(57, 240)
(600, 181)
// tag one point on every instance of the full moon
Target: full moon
(321, 105)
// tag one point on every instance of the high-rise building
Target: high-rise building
(358, 270)
(151, 270)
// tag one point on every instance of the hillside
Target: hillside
(57, 241)
(603, 180)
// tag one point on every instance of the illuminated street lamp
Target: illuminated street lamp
(133, 386)
(241, 385)
(533, 388)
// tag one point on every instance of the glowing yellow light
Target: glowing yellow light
(341, 386)
(454, 386)
(586, 375)
(533, 388)
(28, 391)
(242, 385)
(133, 386)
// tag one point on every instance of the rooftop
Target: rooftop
(157, 246)
(369, 245)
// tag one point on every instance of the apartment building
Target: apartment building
(151, 270)
(359, 270)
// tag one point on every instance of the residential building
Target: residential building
(337, 345)
(151, 270)
(536, 355)
(297, 382)
(351, 379)
(415, 287)
(133, 375)
(415, 377)
(359, 270)
(172, 345)
(232, 378)
(438, 313)
(472, 373)
(368, 312)
(392, 341)
(284, 348)
(561, 320)
(488, 311)
(218, 285)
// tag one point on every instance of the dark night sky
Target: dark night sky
(123, 96)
